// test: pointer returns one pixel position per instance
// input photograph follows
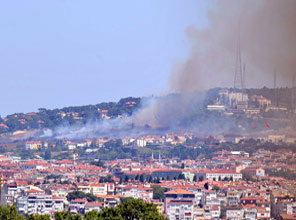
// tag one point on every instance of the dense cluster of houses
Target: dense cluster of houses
(192, 189)
(171, 139)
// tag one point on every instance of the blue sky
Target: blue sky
(61, 53)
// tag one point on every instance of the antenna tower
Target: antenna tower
(238, 77)
(275, 88)
(293, 93)
(244, 76)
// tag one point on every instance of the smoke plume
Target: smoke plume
(267, 30)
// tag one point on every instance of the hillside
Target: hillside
(46, 118)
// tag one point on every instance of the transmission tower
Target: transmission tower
(238, 77)
(275, 88)
(244, 76)
(293, 93)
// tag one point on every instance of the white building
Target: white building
(102, 189)
(180, 210)
(220, 108)
(218, 175)
(141, 142)
(96, 206)
(39, 204)
(235, 213)
(179, 204)
(33, 145)
(77, 206)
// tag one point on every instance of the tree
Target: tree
(123, 199)
(47, 155)
(110, 213)
(39, 217)
(158, 192)
(98, 163)
(126, 178)
(181, 176)
(132, 209)
(92, 215)
(223, 210)
(182, 166)
(247, 176)
(10, 213)
(195, 178)
(76, 195)
(206, 186)
(150, 179)
(81, 195)
(106, 179)
(141, 178)
(216, 188)
(90, 197)
(66, 216)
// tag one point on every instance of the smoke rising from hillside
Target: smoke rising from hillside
(176, 113)
(268, 42)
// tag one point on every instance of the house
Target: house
(102, 189)
(104, 114)
(77, 206)
(233, 138)
(33, 145)
(39, 204)
(64, 163)
(234, 213)
(220, 174)
(250, 212)
(261, 102)
(96, 206)
(138, 192)
(287, 217)
(39, 165)
(141, 142)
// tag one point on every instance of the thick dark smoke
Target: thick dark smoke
(268, 41)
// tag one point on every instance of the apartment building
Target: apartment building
(39, 204)
(179, 204)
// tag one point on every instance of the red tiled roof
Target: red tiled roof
(179, 191)
(78, 200)
(94, 204)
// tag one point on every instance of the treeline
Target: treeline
(129, 209)
(47, 118)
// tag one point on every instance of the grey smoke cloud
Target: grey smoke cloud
(158, 115)
(268, 42)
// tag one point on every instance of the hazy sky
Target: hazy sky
(59, 53)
